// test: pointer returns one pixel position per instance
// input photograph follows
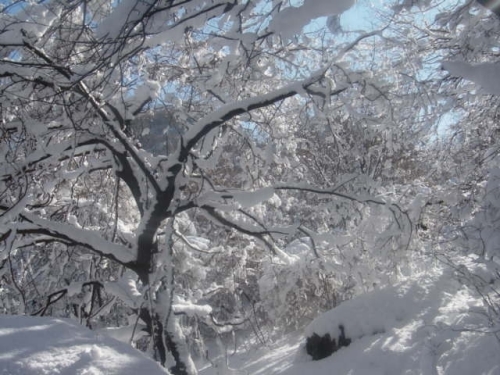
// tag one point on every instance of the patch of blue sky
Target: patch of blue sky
(360, 17)
(443, 126)
(11, 7)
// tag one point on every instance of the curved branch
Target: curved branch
(69, 234)
(231, 110)
(393, 207)
(225, 222)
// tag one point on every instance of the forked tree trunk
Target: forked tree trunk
(163, 342)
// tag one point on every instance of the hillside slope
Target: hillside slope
(428, 326)
(50, 346)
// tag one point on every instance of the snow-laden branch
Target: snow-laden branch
(291, 20)
(354, 198)
(83, 237)
(259, 234)
(231, 110)
(397, 212)
(251, 198)
(55, 154)
(486, 75)
(81, 89)
(311, 189)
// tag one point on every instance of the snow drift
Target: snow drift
(430, 325)
(50, 346)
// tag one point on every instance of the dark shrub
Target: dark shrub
(319, 347)
(343, 341)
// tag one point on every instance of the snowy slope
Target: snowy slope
(49, 346)
(427, 326)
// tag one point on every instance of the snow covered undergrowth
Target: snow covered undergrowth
(50, 346)
(430, 325)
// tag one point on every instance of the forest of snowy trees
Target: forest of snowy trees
(193, 171)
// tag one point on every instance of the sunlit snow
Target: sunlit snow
(292, 19)
(428, 326)
(485, 75)
(39, 346)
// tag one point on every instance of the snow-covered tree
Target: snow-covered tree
(122, 233)
(457, 221)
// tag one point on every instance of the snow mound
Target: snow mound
(43, 346)
(376, 312)
(430, 325)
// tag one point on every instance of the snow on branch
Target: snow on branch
(486, 75)
(494, 6)
(189, 309)
(83, 237)
(312, 189)
(291, 20)
(55, 154)
(260, 233)
(397, 212)
(231, 110)
(221, 220)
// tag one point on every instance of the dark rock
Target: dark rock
(343, 341)
(319, 347)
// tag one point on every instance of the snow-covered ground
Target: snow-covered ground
(430, 325)
(49, 346)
